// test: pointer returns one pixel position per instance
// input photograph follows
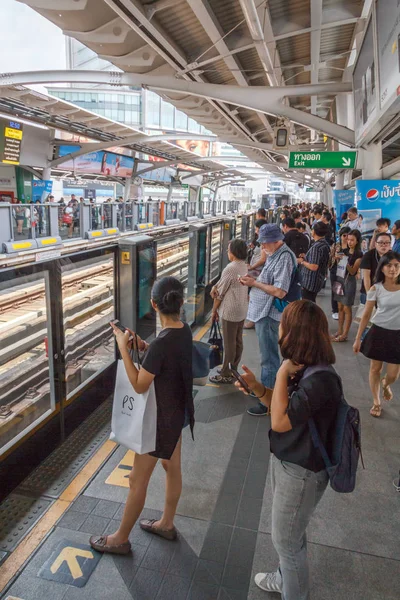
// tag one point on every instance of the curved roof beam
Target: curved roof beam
(268, 100)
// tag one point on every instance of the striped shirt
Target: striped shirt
(277, 271)
(234, 295)
(318, 254)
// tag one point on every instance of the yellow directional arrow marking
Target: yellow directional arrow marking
(69, 555)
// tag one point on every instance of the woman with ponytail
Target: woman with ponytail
(167, 362)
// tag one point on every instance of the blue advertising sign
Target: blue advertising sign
(342, 201)
(379, 194)
(41, 189)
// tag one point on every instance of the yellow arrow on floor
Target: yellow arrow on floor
(69, 555)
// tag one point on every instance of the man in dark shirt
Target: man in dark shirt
(314, 265)
(294, 239)
(370, 261)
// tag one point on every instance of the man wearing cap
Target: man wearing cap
(272, 283)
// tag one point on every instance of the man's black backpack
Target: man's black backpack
(346, 445)
(299, 244)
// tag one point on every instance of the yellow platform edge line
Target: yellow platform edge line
(28, 545)
(201, 333)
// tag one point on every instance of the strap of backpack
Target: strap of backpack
(318, 442)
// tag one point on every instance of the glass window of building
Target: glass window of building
(167, 115)
(153, 108)
(181, 120)
(193, 126)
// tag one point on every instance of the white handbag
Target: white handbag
(134, 416)
(342, 267)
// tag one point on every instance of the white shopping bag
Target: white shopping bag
(342, 267)
(134, 416)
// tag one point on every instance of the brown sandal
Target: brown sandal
(167, 534)
(376, 410)
(339, 338)
(99, 543)
(387, 392)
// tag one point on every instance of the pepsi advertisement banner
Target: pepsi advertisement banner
(377, 198)
(41, 189)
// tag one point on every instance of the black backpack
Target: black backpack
(299, 244)
(346, 448)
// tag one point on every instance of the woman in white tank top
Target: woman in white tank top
(382, 342)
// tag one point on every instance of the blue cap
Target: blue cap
(269, 234)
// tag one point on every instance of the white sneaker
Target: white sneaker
(335, 316)
(267, 582)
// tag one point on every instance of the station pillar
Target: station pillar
(372, 162)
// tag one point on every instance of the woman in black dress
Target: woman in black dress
(167, 362)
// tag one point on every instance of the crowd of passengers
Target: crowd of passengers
(297, 381)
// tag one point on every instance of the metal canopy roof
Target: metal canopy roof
(239, 42)
(28, 104)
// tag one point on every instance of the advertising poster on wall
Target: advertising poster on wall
(364, 83)
(41, 189)
(377, 198)
(343, 200)
(97, 163)
(388, 28)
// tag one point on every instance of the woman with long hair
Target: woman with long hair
(307, 386)
(167, 362)
(347, 268)
(382, 342)
(337, 251)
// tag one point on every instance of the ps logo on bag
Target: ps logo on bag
(128, 400)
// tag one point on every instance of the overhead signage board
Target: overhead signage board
(379, 194)
(388, 30)
(11, 133)
(322, 160)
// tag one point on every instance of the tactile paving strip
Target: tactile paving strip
(17, 515)
(56, 472)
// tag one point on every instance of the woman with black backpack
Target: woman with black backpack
(307, 387)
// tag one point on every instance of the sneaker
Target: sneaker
(258, 411)
(335, 316)
(267, 582)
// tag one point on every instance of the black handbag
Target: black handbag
(217, 345)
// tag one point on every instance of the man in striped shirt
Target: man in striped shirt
(314, 265)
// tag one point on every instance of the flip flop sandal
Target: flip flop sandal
(220, 379)
(167, 534)
(339, 339)
(99, 543)
(376, 410)
(387, 392)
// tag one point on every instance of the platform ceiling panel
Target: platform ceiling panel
(158, 36)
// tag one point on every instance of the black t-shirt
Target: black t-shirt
(370, 261)
(352, 257)
(316, 396)
(169, 358)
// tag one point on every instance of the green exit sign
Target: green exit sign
(322, 160)
(309, 189)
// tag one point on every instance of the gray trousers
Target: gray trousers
(296, 493)
(232, 333)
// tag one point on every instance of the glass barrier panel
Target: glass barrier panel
(42, 220)
(26, 364)
(181, 211)
(215, 251)
(173, 260)
(107, 215)
(21, 220)
(238, 233)
(69, 221)
(120, 208)
(95, 217)
(88, 308)
(129, 216)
